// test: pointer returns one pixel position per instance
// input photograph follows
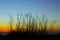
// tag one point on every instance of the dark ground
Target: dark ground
(27, 36)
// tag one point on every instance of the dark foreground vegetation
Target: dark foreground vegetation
(33, 29)
(27, 36)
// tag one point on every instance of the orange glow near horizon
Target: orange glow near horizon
(4, 27)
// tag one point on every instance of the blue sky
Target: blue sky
(51, 8)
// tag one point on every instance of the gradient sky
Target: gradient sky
(51, 8)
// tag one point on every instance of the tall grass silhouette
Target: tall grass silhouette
(52, 24)
(31, 24)
(11, 22)
(18, 23)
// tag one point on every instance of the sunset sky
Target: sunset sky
(50, 8)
